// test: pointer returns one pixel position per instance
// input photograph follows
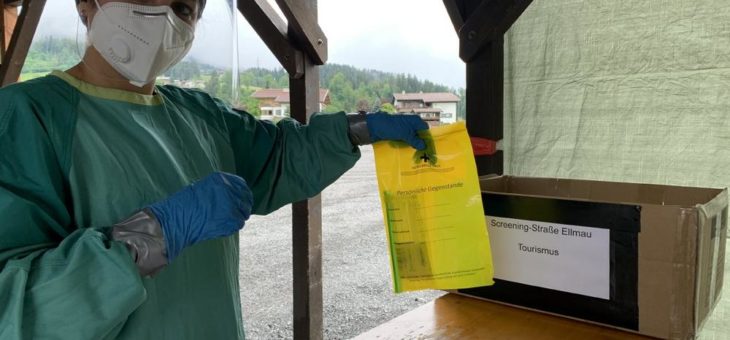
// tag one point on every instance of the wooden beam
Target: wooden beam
(307, 221)
(485, 101)
(274, 32)
(14, 57)
(452, 8)
(482, 48)
(304, 96)
(490, 165)
(304, 26)
(306, 215)
(3, 35)
(490, 20)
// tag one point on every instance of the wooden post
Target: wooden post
(4, 30)
(14, 57)
(484, 104)
(300, 49)
(307, 241)
(307, 216)
(452, 8)
(273, 31)
(303, 25)
(486, 21)
(8, 18)
(481, 25)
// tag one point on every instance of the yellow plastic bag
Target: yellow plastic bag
(432, 207)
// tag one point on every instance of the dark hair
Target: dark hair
(200, 10)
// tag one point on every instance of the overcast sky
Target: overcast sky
(403, 36)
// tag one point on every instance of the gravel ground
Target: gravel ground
(358, 292)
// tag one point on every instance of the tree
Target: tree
(461, 107)
(283, 81)
(248, 103)
(342, 93)
(270, 82)
(50, 53)
(225, 87)
(388, 107)
(211, 86)
(350, 88)
(363, 106)
(333, 108)
(186, 70)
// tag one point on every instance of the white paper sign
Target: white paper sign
(556, 256)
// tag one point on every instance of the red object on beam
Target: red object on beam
(483, 146)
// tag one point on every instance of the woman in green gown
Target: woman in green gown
(120, 201)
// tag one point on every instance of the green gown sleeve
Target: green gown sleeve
(289, 162)
(57, 280)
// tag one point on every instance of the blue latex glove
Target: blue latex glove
(383, 126)
(216, 206)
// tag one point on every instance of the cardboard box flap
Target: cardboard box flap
(712, 229)
(714, 206)
(627, 193)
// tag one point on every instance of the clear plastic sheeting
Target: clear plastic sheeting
(631, 91)
(211, 64)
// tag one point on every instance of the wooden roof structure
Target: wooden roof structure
(300, 45)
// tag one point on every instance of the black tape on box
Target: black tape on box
(621, 310)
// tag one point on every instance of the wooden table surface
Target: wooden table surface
(457, 317)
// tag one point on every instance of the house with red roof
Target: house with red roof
(275, 103)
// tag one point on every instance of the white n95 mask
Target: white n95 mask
(140, 42)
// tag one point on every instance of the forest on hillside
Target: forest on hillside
(351, 89)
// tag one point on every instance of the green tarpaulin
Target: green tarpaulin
(633, 91)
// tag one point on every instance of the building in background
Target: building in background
(435, 107)
(188, 84)
(275, 103)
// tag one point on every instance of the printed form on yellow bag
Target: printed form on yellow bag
(432, 207)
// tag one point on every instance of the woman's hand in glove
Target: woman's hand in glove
(383, 126)
(373, 127)
(216, 206)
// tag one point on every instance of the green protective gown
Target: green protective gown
(76, 158)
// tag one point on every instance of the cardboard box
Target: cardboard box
(643, 258)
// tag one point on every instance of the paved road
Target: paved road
(358, 292)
